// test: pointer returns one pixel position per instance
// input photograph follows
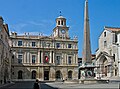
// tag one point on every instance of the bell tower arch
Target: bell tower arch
(61, 30)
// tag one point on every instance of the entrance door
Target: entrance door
(105, 70)
(46, 75)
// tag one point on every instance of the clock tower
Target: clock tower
(61, 30)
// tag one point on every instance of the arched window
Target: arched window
(58, 75)
(69, 75)
(20, 74)
(104, 34)
(62, 22)
(33, 74)
(58, 22)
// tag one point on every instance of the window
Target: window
(61, 22)
(116, 38)
(58, 22)
(105, 43)
(46, 59)
(19, 43)
(33, 44)
(69, 45)
(69, 60)
(104, 34)
(58, 60)
(114, 57)
(33, 58)
(48, 44)
(19, 59)
(40, 56)
(58, 45)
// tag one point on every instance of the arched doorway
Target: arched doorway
(33, 74)
(20, 74)
(70, 75)
(105, 66)
(58, 75)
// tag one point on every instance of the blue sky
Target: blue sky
(39, 16)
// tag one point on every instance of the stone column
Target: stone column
(50, 57)
(119, 60)
(38, 60)
(28, 57)
(42, 73)
(53, 56)
(41, 56)
(25, 56)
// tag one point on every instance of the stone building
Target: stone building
(108, 54)
(50, 58)
(5, 54)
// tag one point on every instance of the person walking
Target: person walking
(36, 85)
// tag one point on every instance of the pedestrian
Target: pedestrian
(36, 85)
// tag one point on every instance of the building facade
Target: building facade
(5, 53)
(49, 58)
(108, 54)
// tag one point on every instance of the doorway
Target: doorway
(46, 75)
(33, 74)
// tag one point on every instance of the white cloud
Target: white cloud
(18, 27)
(36, 23)
(42, 25)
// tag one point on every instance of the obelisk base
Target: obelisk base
(87, 74)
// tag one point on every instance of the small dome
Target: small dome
(61, 17)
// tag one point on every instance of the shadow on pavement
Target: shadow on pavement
(45, 86)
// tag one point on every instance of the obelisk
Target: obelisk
(87, 69)
(86, 56)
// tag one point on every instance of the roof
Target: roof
(1, 17)
(61, 17)
(115, 29)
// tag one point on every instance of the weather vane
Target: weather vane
(60, 13)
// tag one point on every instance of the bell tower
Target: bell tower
(61, 30)
(61, 21)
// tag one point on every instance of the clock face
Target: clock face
(63, 31)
